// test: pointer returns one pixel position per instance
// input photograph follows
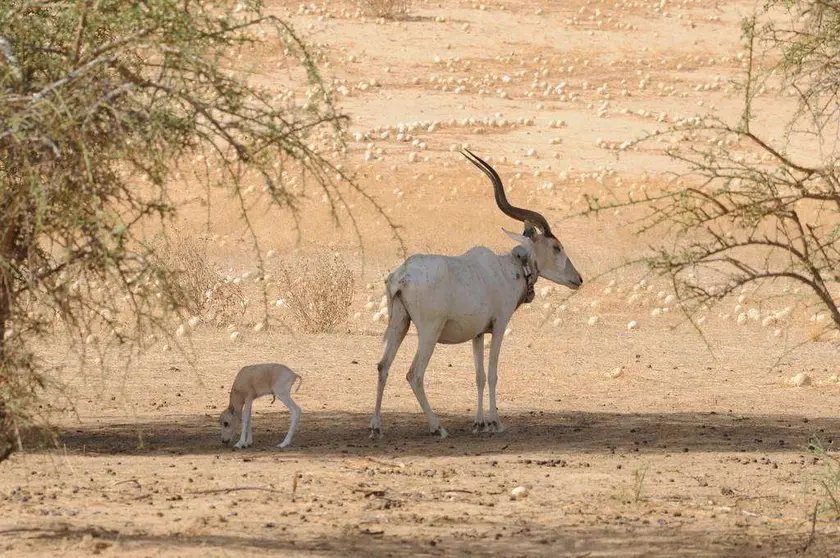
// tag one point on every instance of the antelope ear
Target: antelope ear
(230, 409)
(521, 239)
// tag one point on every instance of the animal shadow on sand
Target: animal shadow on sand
(570, 541)
(341, 434)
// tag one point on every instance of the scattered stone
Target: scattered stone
(801, 379)
(519, 492)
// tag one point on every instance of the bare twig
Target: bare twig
(234, 489)
(396, 465)
(813, 529)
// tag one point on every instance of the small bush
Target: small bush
(319, 291)
(389, 9)
(185, 257)
(223, 305)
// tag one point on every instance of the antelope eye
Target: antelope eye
(227, 424)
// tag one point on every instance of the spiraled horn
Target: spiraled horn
(520, 214)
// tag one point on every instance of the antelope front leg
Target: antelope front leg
(245, 439)
(495, 423)
(480, 381)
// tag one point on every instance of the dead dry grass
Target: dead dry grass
(318, 289)
(389, 9)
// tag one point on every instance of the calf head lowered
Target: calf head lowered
(230, 422)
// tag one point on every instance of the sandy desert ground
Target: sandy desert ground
(648, 441)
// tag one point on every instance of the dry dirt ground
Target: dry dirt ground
(692, 449)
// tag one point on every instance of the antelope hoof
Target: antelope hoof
(440, 431)
(480, 426)
(241, 445)
(284, 444)
(376, 428)
(498, 427)
(489, 426)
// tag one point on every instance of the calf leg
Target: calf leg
(480, 380)
(294, 409)
(245, 439)
(250, 439)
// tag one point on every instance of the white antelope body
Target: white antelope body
(454, 299)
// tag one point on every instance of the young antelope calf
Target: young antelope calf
(252, 382)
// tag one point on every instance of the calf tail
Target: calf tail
(299, 381)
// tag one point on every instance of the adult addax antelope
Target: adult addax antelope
(461, 298)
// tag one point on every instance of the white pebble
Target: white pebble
(784, 313)
(235, 336)
(195, 321)
(801, 379)
(518, 493)
(182, 329)
(593, 320)
(616, 372)
(633, 324)
(742, 318)
(259, 327)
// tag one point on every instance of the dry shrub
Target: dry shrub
(223, 305)
(389, 9)
(319, 291)
(822, 334)
(185, 257)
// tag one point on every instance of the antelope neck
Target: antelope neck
(530, 276)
